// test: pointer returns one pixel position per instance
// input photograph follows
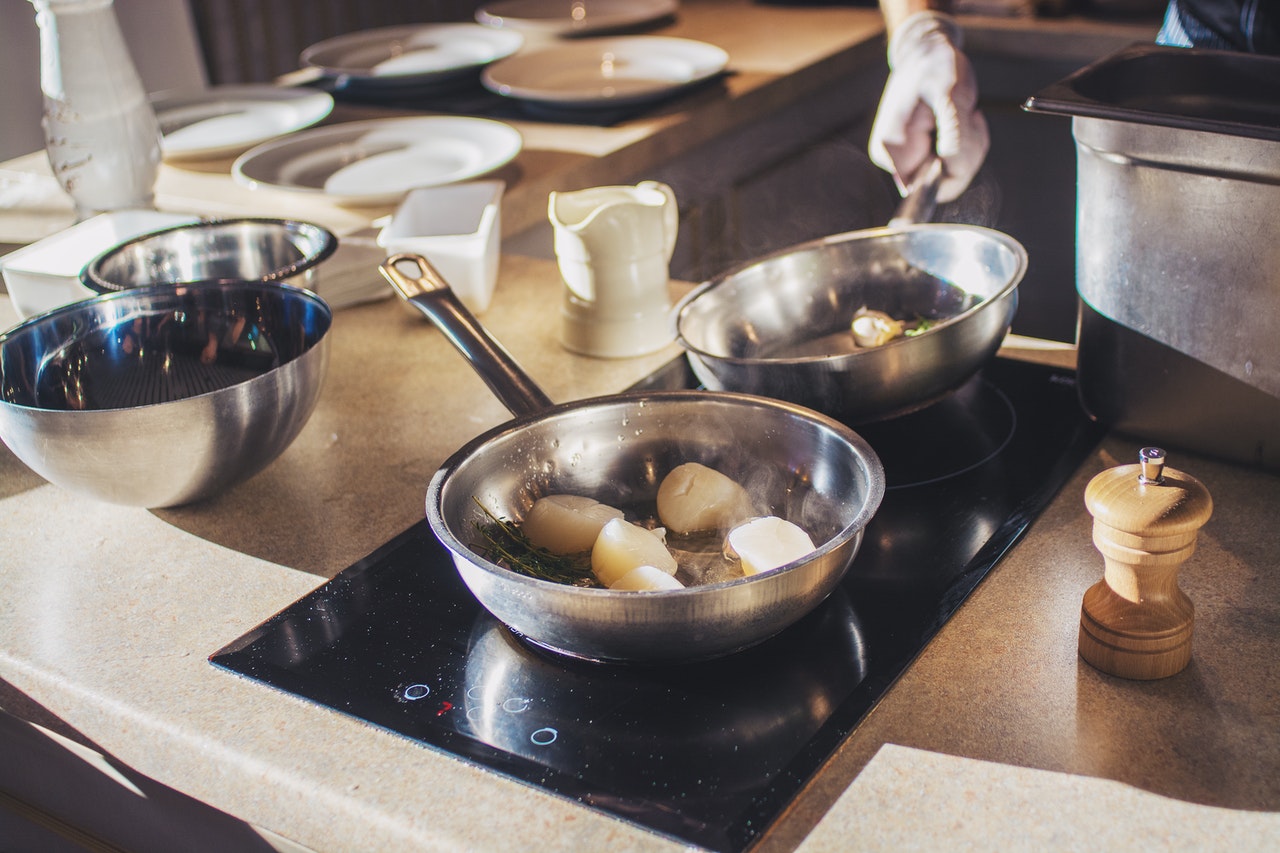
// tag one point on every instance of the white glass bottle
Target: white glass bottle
(100, 131)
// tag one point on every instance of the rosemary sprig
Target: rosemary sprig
(505, 544)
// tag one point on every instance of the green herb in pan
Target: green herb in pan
(502, 542)
(921, 325)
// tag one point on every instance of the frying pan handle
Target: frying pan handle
(921, 199)
(431, 295)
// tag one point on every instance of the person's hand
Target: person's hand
(929, 102)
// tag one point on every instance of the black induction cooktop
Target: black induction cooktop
(706, 753)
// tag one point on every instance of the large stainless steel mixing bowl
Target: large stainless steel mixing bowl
(799, 464)
(165, 395)
(251, 249)
(779, 326)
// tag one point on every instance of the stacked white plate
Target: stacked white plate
(377, 162)
(224, 120)
(602, 72)
(561, 18)
(408, 61)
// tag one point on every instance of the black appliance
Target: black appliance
(706, 753)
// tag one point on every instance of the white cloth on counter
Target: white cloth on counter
(32, 206)
(912, 799)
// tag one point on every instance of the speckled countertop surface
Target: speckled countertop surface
(1002, 682)
(966, 804)
(997, 736)
(109, 614)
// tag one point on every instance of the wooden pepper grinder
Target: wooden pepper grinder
(1136, 622)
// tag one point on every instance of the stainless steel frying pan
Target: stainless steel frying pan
(779, 326)
(802, 465)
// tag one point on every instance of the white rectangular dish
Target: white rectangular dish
(458, 229)
(46, 274)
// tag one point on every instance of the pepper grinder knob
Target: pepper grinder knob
(1136, 622)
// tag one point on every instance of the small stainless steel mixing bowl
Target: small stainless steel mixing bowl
(163, 395)
(277, 250)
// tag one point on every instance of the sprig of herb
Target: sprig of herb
(504, 543)
(921, 325)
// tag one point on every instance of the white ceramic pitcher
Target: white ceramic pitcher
(614, 246)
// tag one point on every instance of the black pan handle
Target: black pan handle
(427, 291)
(921, 199)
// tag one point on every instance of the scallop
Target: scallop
(646, 578)
(566, 524)
(623, 546)
(874, 328)
(764, 544)
(694, 497)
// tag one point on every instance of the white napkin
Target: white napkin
(32, 206)
(911, 799)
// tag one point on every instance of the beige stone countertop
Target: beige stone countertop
(109, 614)
(1190, 762)
(997, 736)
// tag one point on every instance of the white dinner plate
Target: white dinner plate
(415, 55)
(225, 120)
(562, 17)
(600, 72)
(377, 162)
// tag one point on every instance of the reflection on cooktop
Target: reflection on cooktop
(707, 753)
(980, 421)
(712, 731)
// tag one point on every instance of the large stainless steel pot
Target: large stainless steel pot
(1178, 164)
(779, 326)
(803, 465)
